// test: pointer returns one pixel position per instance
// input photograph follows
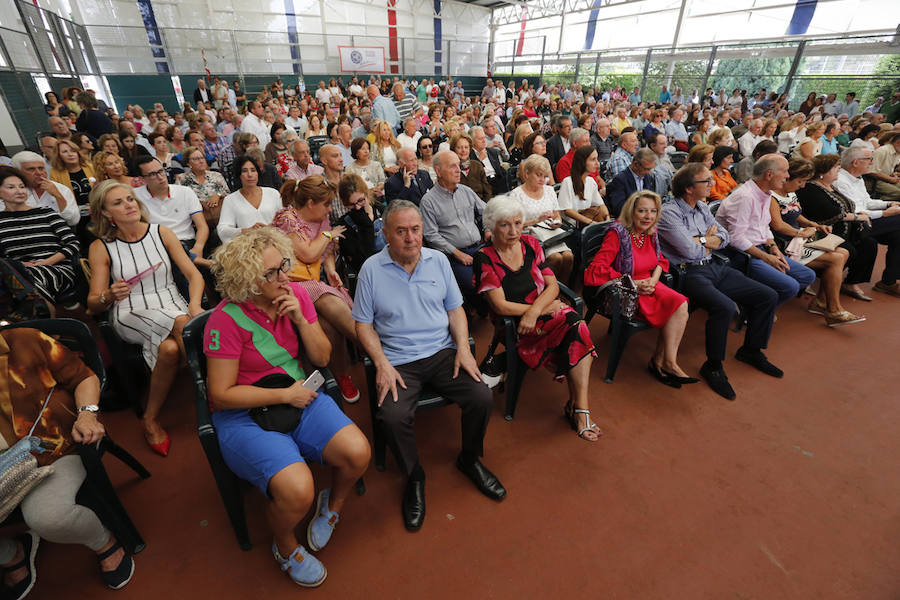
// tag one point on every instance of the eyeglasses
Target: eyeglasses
(426, 146)
(272, 274)
(709, 181)
(160, 173)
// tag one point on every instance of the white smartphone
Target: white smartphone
(314, 381)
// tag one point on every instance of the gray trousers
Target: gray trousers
(51, 513)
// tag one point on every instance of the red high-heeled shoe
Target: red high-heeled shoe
(161, 448)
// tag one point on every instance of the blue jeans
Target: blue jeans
(786, 285)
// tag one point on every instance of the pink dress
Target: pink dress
(288, 220)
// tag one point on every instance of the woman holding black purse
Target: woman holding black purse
(821, 203)
(262, 304)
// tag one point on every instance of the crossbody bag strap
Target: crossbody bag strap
(266, 344)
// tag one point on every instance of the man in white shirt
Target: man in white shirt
(884, 217)
(749, 140)
(42, 192)
(832, 105)
(355, 89)
(735, 100)
(410, 136)
(323, 94)
(175, 206)
(254, 123)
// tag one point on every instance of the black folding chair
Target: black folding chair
(97, 492)
(506, 330)
(228, 483)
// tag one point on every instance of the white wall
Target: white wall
(253, 36)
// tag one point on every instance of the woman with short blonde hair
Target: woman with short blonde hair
(245, 375)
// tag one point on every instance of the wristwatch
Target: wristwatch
(103, 297)
(703, 240)
(91, 408)
(328, 235)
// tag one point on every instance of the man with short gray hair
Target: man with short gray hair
(42, 192)
(883, 217)
(635, 178)
(746, 215)
(448, 211)
(748, 141)
(411, 322)
(577, 138)
(303, 165)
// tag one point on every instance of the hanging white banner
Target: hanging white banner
(362, 59)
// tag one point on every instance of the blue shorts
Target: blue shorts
(255, 454)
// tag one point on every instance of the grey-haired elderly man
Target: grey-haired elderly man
(410, 320)
(42, 192)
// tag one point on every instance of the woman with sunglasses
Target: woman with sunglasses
(131, 278)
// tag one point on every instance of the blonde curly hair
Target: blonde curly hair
(238, 265)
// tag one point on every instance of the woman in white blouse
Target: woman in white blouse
(584, 205)
(542, 213)
(249, 207)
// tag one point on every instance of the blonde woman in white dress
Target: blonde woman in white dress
(131, 278)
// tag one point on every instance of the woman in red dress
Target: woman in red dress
(513, 275)
(631, 246)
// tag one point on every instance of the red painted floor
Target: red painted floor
(792, 491)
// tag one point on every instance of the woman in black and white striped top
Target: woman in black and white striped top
(38, 238)
(131, 277)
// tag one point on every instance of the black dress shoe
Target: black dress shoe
(757, 359)
(483, 479)
(414, 504)
(662, 377)
(718, 381)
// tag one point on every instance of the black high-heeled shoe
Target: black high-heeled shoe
(662, 377)
(679, 378)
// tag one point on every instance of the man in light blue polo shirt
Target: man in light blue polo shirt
(410, 320)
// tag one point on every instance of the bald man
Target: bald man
(333, 163)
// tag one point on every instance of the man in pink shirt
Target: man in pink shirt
(745, 214)
(303, 166)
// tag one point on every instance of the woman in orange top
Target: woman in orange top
(723, 182)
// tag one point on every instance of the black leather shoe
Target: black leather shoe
(718, 381)
(662, 377)
(414, 504)
(483, 479)
(757, 359)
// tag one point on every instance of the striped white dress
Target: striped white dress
(147, 315)
(36, 234)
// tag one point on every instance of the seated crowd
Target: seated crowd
(384, 217)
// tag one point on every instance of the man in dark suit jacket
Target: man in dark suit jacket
(498, 181)
(409, 183)
(199, 95)
(626, 183)
(558, 144)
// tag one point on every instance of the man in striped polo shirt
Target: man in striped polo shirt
(406, 104)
